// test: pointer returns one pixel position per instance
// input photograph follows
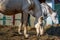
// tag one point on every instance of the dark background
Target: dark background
(57, 1)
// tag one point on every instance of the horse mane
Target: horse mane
(50, 9)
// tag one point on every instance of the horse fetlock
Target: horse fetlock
(25, 31)
(26, 35)
(37, 30)
(19, 30)
(37, 34)
(41, 31)
(20, 33)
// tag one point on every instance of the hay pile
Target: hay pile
(10, 33)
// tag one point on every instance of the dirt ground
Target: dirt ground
(10, 33)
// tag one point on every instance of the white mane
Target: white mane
(45, 8)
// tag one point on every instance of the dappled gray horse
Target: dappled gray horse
(12, 7)
(46, 12)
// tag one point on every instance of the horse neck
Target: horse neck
(44, 10)
(36, 8)
(47, 8)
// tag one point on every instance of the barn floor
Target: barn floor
(10, 33)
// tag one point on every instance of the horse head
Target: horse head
(49, 12)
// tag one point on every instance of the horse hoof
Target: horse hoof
(20, 33)
(26, 36)
(41, 34)
(37, 35)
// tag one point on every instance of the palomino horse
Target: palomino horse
(46, 11)
(11, 7)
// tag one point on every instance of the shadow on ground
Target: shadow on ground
(55, 31)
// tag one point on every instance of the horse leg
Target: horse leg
(25, 31)
(25, 23)
(20, 26)
(41, 30)
(37, 29)
(41, 26)
(40, 21)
